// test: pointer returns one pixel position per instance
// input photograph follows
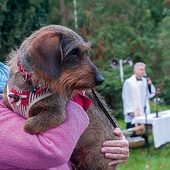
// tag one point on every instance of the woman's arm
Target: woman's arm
(117, 150)
(50, 149)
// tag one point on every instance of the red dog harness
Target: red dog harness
(22, 101)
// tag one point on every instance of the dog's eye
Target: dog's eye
(74, 52)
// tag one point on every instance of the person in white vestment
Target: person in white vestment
(136, 93)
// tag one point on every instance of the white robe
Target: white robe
(135, 95)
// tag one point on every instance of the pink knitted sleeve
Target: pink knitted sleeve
(50, 149)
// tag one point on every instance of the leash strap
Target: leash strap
(104, 109)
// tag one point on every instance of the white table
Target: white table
(160, 126)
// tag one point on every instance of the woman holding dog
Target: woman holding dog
(53, 148)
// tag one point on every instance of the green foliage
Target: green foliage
(19, 19)
(158, 107)
(111, 89)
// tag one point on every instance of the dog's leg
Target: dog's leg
(43, 122)
(46, 114)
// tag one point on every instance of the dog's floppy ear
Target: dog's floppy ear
(45, 51)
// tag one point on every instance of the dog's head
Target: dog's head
(60, 57)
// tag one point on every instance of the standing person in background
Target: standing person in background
(136, 92)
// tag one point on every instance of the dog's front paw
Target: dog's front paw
(32, 126)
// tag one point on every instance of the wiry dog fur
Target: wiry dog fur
(58, 58)
(86, 155)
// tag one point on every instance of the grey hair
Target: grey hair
(139, 64)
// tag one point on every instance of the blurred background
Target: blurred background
(120, 29)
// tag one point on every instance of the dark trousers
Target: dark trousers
(129, 125)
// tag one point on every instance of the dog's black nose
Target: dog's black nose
(99, 79)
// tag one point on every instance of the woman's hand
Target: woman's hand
(117, 150)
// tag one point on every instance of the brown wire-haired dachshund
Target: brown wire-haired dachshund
(45, 72)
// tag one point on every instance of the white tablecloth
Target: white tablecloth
(160, 126)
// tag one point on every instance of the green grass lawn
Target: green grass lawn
(148, 158)
(140, 160)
